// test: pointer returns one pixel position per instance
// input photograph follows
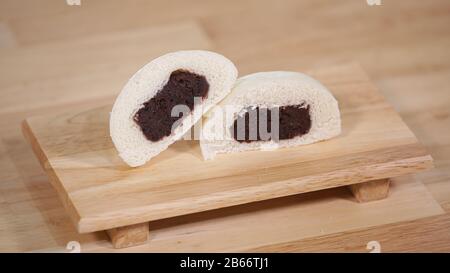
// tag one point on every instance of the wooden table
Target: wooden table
(56, 57)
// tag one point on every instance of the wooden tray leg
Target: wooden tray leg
(129, 235)
(371, 190)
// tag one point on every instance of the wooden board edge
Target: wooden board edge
(53, 177)
(278, 189)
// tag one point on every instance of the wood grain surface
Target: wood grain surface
(56, 57)
(101, 192)
(252, 227)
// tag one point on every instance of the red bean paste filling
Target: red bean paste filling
(155, 118)
(294, 120)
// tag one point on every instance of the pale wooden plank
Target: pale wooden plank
(104, 193)
(67, 72)
(299, 218)
(400, 237)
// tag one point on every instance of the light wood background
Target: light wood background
(54, 57)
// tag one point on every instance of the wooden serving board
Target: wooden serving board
(302, 222)
(100, 192)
